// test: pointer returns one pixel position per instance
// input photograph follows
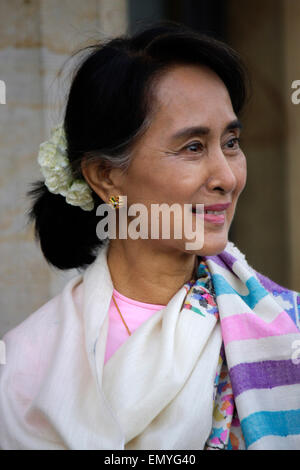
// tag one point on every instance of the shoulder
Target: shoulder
(36, 330)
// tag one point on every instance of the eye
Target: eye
(194, 147)
(234, 143)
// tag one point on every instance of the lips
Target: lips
(217, 207)
(214, 207)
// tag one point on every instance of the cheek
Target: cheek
(240, 171)
(145, 171)
(159, 182)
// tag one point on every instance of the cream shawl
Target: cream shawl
(155, 392)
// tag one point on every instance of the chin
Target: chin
(213, 247)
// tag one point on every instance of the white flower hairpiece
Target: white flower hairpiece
(57, 172)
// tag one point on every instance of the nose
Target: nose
(221, 175)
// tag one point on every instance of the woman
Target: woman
(155, 345)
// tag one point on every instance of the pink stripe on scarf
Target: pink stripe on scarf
(251, 326)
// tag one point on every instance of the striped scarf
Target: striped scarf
(257, 385)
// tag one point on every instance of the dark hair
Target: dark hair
(108, 107)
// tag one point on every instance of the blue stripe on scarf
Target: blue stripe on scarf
(256, 291)
(270, 423)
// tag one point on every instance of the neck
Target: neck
(142, 272)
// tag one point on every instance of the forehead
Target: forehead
(186, 93)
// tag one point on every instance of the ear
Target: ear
(104, 180)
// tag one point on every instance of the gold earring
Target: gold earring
(115, 201)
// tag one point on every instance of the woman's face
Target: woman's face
(190, 154)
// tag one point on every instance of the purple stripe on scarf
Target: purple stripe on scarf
(224, 259)
(227, 258)
(265, 374)
(218, 260)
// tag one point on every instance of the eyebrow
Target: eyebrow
(203, 130)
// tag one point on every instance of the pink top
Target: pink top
(134, 313)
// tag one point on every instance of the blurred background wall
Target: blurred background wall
(37, 37)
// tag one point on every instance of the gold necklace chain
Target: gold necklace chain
(124, 322)
(128, 331)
